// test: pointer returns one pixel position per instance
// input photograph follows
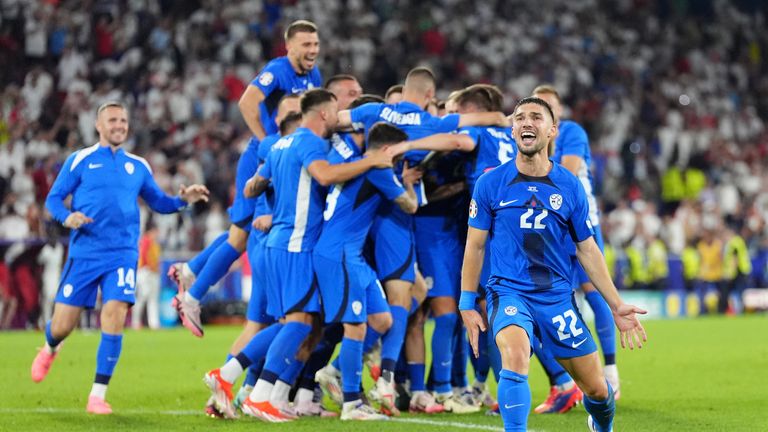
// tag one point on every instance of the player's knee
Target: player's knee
(237, 238)
(381, 322)
(355, 331)
(595, 389)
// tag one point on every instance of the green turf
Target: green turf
(707, 374)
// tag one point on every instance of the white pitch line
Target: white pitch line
(449, 424)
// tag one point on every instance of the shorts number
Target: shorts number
(126, 278)
(506, 152)
(560, 322)
(524, 223)
(330, 201)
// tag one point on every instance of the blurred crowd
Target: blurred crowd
(673, 94)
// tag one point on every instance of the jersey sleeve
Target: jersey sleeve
(65, 183)
(386, 182)
(158, 200)
(364, 115)
(574, 141)
(445, 124)
(311, 150)
(265, 170)
(480, 212)
(579, 225)
(268, 79)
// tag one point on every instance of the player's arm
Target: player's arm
(161, 202)
(249, 107)
(572, 163)
(255, 186)
(407, 201)
(437, 142)
(494, 118)
(327, 174)
(66, 182)
(345, 119)
(474, 254)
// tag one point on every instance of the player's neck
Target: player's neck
(316, 125)
(296, 66)
(536, 165)
(114, 148)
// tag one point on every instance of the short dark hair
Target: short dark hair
(300, 26)
(289, 121)
(338, 78)
(364, 99)
(315, 97)
(110, 104)
(537, 101)
(397, 88)
(421, 72)
(383, 134)
(485, 96)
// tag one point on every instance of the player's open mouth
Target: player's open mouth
(528, 137)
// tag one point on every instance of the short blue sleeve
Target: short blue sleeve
(445, 124)
(386, 182)
(480, 213)
(473, 133)
(265, 170)
(267, 81)
(573, 141)
(580, 227)
(310, 149)
(364, 115)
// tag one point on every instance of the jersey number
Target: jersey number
(506, 152)
(126, 278)
(330, 201)
(525, 223)
(560, 322)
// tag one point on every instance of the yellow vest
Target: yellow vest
(695, 182)
(691, 263)
(736, 258)
(711, 269)
(672, 185)
(637, 271)
(658, 266)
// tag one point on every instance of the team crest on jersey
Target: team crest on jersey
(556, 201)
(472, 209)
(357, 307)
(129, 168)
(510, 310)
(266, 78)
(429, 282)
(67, 290)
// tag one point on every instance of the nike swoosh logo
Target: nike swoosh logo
(578, 344)
(93, 165)
(506, 203)
(128, 292)
(445, 363)
(512, 406)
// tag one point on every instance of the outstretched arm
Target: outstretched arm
(474, 254)
(437, 142)
(495, 118)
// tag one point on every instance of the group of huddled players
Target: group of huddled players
(353, 211)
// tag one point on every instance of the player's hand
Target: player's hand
(194, 193)
(474, 324)
(263, 223)
(632, 332)
(399, 148)
(382, 159)
(76, 219)
(411, 175)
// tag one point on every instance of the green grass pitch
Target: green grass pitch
(706, 374)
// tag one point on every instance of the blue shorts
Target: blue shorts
(551, 316)
(291, 284)
(349, 290)
(82, 278)
(439, 254)
(579, 275)
(257, 305)
(394, 250)
(241, 211)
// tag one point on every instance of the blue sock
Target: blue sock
(52, 342)
(229, 357)
(196, 264)
(601, 411)
(332, 335)
(514, 397)
(217, 266)
(606, 331)
(557, 375)
(416, 375)
(401, 369)
(254, 371)
(292, 371)
(442, 351)
(371, 337)
(351, 356)
(258, 346)
(460, 357)
(392, 342)
(283, 349)
(107, 356)
(481, 364)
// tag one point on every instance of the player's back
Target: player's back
(343, 148)
(572, 140)
(494, 146)
(529, 219)
(299, 199)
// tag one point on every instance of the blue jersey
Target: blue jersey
(265, 201)
(350, 208)
(277, 79)
(343, 148)
(409, 117)
(493, 146)
(572, 141)
(299, 199)
(529, 219)
(105, 186)
(241, 211)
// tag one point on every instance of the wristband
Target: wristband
(467, 300)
